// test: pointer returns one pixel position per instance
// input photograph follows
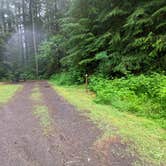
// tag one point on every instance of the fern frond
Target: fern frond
(115, 12)
(159, 12)
(144, 21)
(161, 25)
(86, 61)
(133, 18)
(100, 41)
(102, 55)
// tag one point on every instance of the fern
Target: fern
(144, 21)
(101, 55)
(132, 20)
(101, 41)
(115, 12)
(160, 12)
(162, 25)
(86, 61)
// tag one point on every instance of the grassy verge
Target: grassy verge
(148, 138)
(7, 92)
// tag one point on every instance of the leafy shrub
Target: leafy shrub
(68, 78)
(142, 95)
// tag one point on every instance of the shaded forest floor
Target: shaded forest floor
(38, 127)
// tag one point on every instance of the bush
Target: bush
(142, 95)
(68, 78)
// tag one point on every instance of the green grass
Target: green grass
(41, 111)
(148, 138)
(7, 91)
(36, 94)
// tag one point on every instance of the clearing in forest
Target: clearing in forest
(39, 128)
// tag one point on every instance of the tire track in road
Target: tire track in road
(70, 142)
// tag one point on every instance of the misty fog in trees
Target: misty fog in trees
(112, 37)
(24, 24)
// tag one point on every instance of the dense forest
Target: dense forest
(114, 38)
(120, 44)
(106, 58)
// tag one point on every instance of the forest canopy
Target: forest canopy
(113, 38)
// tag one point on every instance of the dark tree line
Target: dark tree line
(111, 37)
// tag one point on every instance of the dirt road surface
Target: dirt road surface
(70, 142)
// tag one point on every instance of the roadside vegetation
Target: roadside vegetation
(7, 91)
(143, 95)
(147, 137)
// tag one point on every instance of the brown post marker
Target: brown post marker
(86, 82)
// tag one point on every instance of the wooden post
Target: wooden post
(86, 82)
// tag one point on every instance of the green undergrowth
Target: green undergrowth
(148, 138)
(7, 91)
(68, 78)
(143, 95)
